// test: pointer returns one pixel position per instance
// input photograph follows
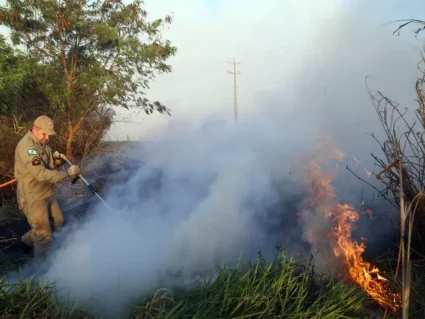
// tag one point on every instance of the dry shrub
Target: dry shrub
(8, 141)
(92, 131)
(404, 155)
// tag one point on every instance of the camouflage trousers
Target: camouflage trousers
(43, 215)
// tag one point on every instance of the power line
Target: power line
(186, 97)
(213, 66)
(235, 88)
(209, 67)
(190, 97)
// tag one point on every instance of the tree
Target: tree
(11, 75)
(90, 54)
(20, 101)
(20, 98)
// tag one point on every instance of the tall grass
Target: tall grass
(407, 214)
(277, 289)
(31, 299)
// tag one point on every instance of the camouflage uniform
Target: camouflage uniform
(36, 175)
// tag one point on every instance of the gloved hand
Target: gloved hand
(73, 170)
(57, 159)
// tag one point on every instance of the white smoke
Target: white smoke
(193, 205)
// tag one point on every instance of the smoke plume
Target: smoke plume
(192, 205)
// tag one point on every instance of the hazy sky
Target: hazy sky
(282, 46)
(291, 52)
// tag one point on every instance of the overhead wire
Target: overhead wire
(214, 65)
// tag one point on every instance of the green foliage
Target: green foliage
(89, 55)
(11, 75)
(21, 100)
(20, 96)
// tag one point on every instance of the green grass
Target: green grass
(30, 299)
(277, 289)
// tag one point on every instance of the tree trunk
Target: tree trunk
(69, 140)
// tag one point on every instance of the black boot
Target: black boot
(18, 246)
(27, 250)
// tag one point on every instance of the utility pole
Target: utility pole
(235, 88)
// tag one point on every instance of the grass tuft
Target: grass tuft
(31, 299)
(277, 289)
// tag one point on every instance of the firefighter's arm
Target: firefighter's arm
(30, 158)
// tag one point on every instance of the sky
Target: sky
(292, 53)
(285, 47)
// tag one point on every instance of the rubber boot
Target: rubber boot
(18, 245)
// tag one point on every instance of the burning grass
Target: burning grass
(321, 202)
(282, 288)
(366, 275)
(389, 262)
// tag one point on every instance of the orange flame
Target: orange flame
(349, 252)
(366, 275)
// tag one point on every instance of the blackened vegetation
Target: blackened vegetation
(277, 214)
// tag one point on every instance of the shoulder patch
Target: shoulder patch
(35, 161)
(32, 151)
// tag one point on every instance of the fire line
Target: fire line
(347, 250)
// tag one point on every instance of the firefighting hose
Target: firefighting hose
(89, 186)
(8, 183)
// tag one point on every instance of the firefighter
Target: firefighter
(36, 173)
